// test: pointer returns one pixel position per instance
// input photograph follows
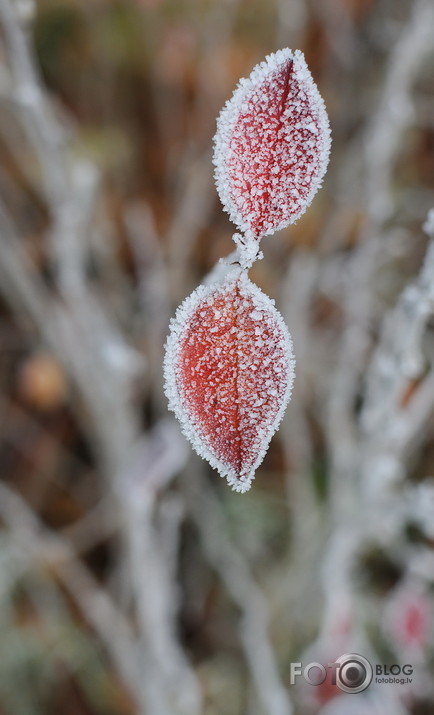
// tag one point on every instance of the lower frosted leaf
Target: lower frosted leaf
(229, 369)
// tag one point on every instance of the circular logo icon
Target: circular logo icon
(354, 673)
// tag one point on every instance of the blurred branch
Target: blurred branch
(381, 142)
(115, 435)
(234, 572)
(389, 419)
(86, 339)
(388, 424)
(69, 189)
(190, 216)
(45, 547)
(113, 426)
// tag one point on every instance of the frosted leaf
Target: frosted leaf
(227, 382)
(272, 145)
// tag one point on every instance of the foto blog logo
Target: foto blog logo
(351, 672)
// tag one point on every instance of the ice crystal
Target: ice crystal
(229, 369)
(272, 145)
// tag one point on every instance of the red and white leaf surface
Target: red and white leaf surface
(272, 145)
(229, 369)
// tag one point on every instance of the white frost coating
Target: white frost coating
(249, 295)
(294, 162)
(247, 250)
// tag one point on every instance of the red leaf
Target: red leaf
(272, 145)
(229, 369)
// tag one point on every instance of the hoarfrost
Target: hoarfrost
(229, 390)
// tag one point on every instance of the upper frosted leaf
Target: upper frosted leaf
(229, 370)
(272, 145)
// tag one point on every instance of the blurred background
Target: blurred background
(132, 579)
